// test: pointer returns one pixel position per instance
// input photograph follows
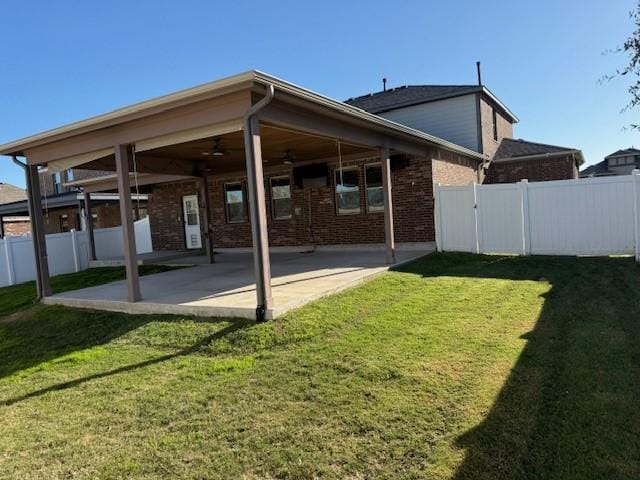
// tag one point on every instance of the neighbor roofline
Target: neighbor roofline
(148, 107)
(472, 90)
(558, 153)
(616, 155)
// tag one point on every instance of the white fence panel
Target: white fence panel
(142, 229)
(456, 218)
(23, 259)
(594, 216)
(500, 218)
(110, 243)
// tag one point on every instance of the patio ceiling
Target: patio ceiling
(194, 157)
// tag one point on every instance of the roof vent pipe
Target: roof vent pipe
(479, 74)
(384, 84)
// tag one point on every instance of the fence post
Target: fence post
(438, 220)
(636, 210)
(526, 225)
(74, 247)
(476, 216)
(8, 252)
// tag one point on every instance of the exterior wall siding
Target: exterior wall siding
(544, 169)
(314, 219)
(453, 119)
(505, 128)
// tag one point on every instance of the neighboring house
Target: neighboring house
(621, 162)
(13, 225)
(518, 159)
(467, 115)
(472, 116)
(63, 204)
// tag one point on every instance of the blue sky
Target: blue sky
(63, 61)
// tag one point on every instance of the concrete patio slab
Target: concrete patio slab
(227, 288)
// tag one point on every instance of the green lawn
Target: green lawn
(458, 366)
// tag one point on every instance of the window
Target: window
(234, 201)
(57, 183)
(347, 191)
(280, 198)
(70, 176)
(373, 183)
(494, 118)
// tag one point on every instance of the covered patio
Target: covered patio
(244, 124)
(227, 288)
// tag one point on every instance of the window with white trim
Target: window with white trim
(234, 202)
(347, 190)
(280, 197)
(373, 184)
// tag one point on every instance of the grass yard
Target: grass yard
(455, 367)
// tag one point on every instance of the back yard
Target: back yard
(458, 366)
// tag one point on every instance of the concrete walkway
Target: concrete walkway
(227, 288)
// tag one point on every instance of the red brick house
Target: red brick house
(253, 161)
(518, 159)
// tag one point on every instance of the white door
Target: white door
(191, 221)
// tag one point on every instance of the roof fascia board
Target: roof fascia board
(542, 155)
(359, 114)
(132, 112)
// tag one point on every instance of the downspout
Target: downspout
(249, 119)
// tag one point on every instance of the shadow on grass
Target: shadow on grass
(134, 323)
(570, 407)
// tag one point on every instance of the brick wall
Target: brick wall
(52, 219)
(505, 128)
(314, 220)
(46, 179)
(540, 170)
(17, 227)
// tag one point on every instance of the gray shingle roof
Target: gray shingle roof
(597, 170)
(10, 193)
(407, 95)
(510, 148)
(626, 151)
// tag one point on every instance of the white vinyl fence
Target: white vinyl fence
(67, 252)
(590, 216)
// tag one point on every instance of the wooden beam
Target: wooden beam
(258, 216)
(294, 118)
(89, 223)
(205, 209)
(389, 237)
(209, 112)
(34, 199)
(123, 159)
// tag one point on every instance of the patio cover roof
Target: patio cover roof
(71, 152)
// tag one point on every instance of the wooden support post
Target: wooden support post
(258, 216)
(389, 237)
(123, 160)
(205, 207)
(88, 221)
(34, 199)
(1, 226)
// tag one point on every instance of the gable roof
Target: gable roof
(10, 193)
(408, 95)
(597, 170)
(208, 90)
(512, 149)
(624, 152)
